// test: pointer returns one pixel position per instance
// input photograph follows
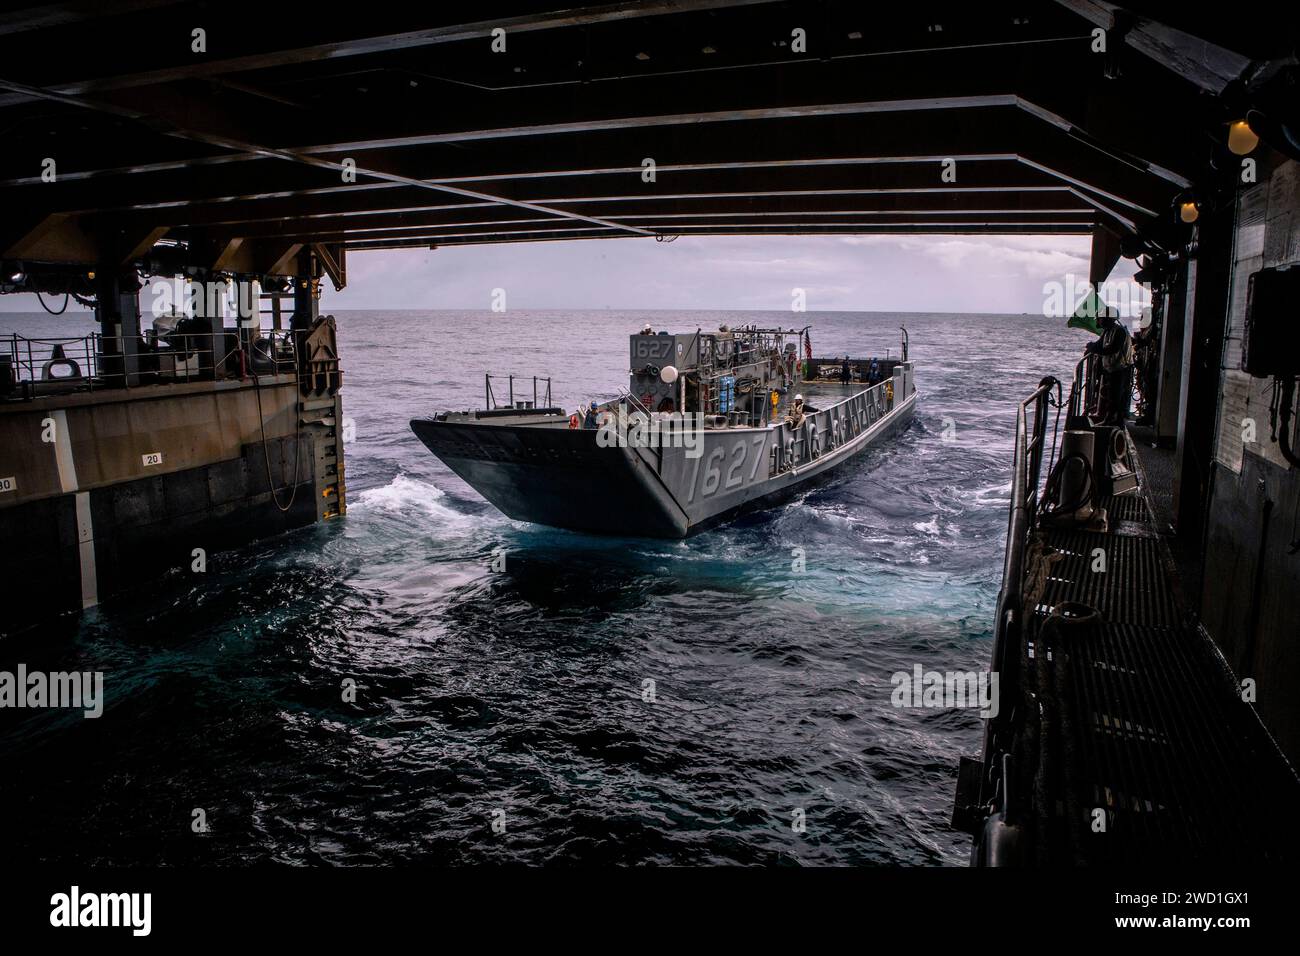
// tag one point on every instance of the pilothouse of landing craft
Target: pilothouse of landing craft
(711, 425)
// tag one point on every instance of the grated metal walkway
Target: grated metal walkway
(1143, 750)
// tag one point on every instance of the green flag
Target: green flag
(1085, 316)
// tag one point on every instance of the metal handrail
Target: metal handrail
(99, 358)
(489, 397)
(1026, 477)
(1025, 481)
(1084, 388)
(640, 406)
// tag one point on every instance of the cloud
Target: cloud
(887, 273)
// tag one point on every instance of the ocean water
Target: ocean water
(519, 697)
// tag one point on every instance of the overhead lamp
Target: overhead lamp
(643, 56)
(1188, 212)
(708, 49)
(17, 276)
(1241, 138)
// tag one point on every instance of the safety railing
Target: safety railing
(1031, 436)
(490, 399)
(32, 367)
(827, 429)
(1026, 479)
(1086, 388)
(669, 423)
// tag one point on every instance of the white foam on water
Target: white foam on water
(930, 527)
(990, 496)
(405, 495)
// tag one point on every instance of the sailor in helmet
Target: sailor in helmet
(794, 417)
(590, 420)
(846, 372)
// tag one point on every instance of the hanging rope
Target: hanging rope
(265, 455)
(67, 297)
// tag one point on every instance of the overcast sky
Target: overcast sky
(853, 273)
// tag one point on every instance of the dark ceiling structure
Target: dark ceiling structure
(233, 135)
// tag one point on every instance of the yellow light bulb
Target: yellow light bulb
(1188, 212)
(1241, 138)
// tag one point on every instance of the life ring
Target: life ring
(573, 421)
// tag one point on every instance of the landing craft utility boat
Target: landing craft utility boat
(713, 424)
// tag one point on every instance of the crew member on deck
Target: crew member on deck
(1115, 349)
(794, 417)
(846, 373)
(873, 373)
(590, 420)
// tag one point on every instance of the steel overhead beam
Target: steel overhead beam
(605, 124)
(912, 79)
(977, 174)
(416, 242)
(361, 198)
(146, 193)
(1082, 136)
(279, 210)
(282, 216)
(1009, 95)
(850, 229)
(932, 198)
(820, 204)
(577, 16)
(640, 123)
(266, 191)
(1208, 65)
(670, 225)
(1087, 186)
(45, 16)
(810, 162)
(248, 148)
(801, 193)
(858, 108)
(336, 234)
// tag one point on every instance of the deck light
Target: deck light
(668, 374)
(1188, 212)
(1241, 138)
(708, 49)
(643, 56)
